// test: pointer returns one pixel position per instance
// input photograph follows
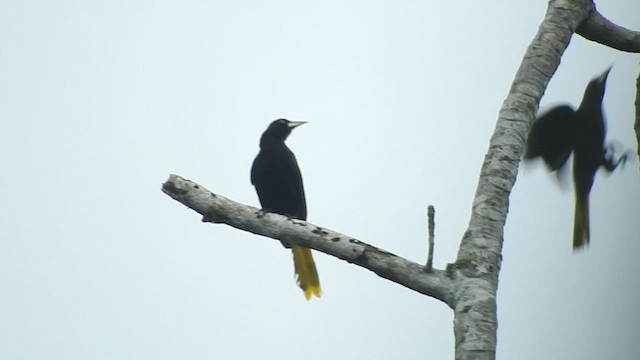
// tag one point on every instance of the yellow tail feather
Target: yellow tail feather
(306, 273)
(581, 222)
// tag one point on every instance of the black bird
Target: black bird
(278, 182)
(563, 130)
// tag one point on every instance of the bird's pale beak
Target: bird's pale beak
(295, 124)
(602, 78)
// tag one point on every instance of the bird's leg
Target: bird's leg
(613, 147)
(260, 213)
(608, 161)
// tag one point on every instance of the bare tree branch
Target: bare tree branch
(599, 29)
(218, 209)
(480, 253)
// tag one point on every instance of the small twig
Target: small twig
(431, 214)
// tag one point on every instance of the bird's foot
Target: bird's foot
(609, 161)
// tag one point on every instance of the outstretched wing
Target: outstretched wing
(552, 137)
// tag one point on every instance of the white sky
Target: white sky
(101, 100)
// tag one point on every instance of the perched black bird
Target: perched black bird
(561, 131)
(276, 176)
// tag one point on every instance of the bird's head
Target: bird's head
(280, 129)
(596, 87)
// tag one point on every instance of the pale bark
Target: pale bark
(480, 254)
(597, 28)
(218, 209)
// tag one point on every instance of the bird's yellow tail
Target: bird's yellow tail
(306, 273)
(581, 222)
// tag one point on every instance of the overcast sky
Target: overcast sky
(101, 100)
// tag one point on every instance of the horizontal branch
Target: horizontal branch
(599, 29)
(218, 209)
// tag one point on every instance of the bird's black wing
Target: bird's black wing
(552, 137)
(297, 191)
(278, 181)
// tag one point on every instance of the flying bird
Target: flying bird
(278, 182)
(562, 131)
